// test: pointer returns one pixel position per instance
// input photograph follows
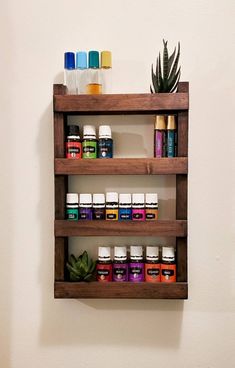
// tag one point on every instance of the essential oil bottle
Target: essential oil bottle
(73, 142)
(138, 207)
(94, 79)
(98, 206)
(105, 142)
(81, 72)
(152, 265)
(171, 136)
(168, 265)
(85, 206)
(72, 206)
(89, 142)
(136, 265)
(111, 211)
(69, 72)
(151, 206)
(104, 265)
(125, 211)
(120, 264)
(160, 136)
(106, 69)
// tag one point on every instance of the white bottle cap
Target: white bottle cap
(112, 197)
(125, 198)
(72, 198)
(152, 253)
(151, 198)
(104, 253)
(105, 131)
(138, 198)
(98, 198)
(85, 198)
(89, 131)
(120, 253)
(136, 252)
(168, 253)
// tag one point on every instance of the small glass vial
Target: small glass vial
(151, 206)
(138, 207)
(70, 73)
(85, 206)
(125, 211)
(104, 265)
(106, 69)
(73, 142)
(168, 265)
(136, 265)
(111, 211)
(72, 206)
(105, 142)
(89, 142)
(152, 265)
(94, 79)
(98, 206)
(160, 136)
(171, 147)
(81, 71)
(120, 264)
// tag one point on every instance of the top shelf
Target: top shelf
(143, 103)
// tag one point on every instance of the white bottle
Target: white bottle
(70, 73)
(106, 67)
(81, 71)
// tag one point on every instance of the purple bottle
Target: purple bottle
(120, 264)
(136, 265)
(160, 136)
(85, 207)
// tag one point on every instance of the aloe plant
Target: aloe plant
(81, 268)
(167, 74)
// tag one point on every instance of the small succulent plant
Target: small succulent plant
(167, 74)
(81, 268)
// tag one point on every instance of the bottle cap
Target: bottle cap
(105, 131)
(72, 198)
(171, 122)
(136, 252)
(72, 130)
(120, 253)
(112, 197)
(69, 60)
(89, 131)
(168, 254)
(125, 198)
(104, 253)
(81, 60)
(106, 59)
(85, 198)
(151, 198)
(138, 198)
(94, 59)
(98, 198)
(152, 253)
(160, 122)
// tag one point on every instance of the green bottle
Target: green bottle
(89, 142)
(171, 147)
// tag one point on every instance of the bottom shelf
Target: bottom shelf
(122, 290)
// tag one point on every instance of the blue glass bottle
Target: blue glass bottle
(125, 211)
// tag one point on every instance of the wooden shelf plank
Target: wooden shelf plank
(64, 228)
(121, 290)
(143, 103)
(122, 166)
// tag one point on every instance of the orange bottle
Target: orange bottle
(168, 266)
(152, 265)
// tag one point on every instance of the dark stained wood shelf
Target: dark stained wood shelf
(122, 166)
(121, 290)
(64, 228)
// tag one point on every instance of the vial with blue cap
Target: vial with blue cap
(70, 73)
(81, 71)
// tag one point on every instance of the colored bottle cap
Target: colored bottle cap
(106, 59)
(171, 122)
(104, 253)
(152, 253)
(138, 198)
(72, 130)
(81, 60)
(85, 198)
(120, 253)
(105, 131)
(89, 131)
(112, 197)
(72, 198)
(99, 198)
(94, 59)
(125, 198)
(69, 60)
(151, 198)
(168, 254)
(160, 122)
(136, 252)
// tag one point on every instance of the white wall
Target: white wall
(38, 331)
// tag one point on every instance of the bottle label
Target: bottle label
(152, 272)
(73, 150)
(160, 144)
(85, 213)
(104, 272)
(120, 272)
(89, 149)
(125, 214)
(151, 214)
(138, 214)
(111, 214)
(98, 214)
(170, 143)
(168, 273)
(105, 148)
(136, 272)
(72, 214)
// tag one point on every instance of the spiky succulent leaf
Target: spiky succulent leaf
(170, 61)
(81, 268)
(165, 60)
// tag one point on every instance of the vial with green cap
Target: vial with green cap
(94, 79)
(81, 71)
(106, 69)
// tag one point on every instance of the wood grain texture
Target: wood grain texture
(120, 228)
(121, 290)
(122, 166)
(181, 259)
(61, 256)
